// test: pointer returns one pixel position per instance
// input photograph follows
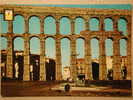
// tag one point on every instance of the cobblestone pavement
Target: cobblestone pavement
(19, 89)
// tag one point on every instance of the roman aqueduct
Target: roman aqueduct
(72, 13)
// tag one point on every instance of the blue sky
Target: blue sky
(108, 6)
(50, 28)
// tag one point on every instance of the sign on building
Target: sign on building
(8, 15)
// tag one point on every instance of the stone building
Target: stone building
(80, 66)
(80, 62)
(18, 66)
(72, 13)
(66, 73)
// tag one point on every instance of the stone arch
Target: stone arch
(95, 37)
(50, 51)
(65, 25)
(34, 47)
(34, 58)
(108, 24)
(79, 25)
(33, 15)
(50, 16)
(80, 37)
(65, 17)
(122, 25)
(94, 24)
(49, 25)
(94, 47)
(50, 54)
(3, 43)
(19, 14)
(17, 36)
(18, 58)
(34, 24)
(123, 57)
(109, 47)
(110, 37)
(124, 37)
(19, 44)
(123, 46)
(80, 47)
(50, 37)
(79, 17)
(94, 42)
(109, 57)
(124, 18)
(4, 24)
(34, 36)
(65, 56)
(69, 38)
(18, 24)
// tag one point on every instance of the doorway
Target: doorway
(95, 70)
(35, 66)
(50, 69)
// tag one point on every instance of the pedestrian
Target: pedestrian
(124, 72)
(67, 88)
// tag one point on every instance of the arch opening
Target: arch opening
(34, 25)
(122, 26)
(49, 25)
(123, 55)
(18, 24)
(3, 49)
(3, 24)
(79, 25)
(18, 58)
(108, 24)
(34, 58)
(109, 58)
(50, 59)
(94, 24)
(65, 58)
(65, 25)
(95, 58)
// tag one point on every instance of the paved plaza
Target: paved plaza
(20, 89)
